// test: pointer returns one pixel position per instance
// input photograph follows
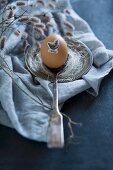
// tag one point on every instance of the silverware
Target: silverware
(55, 129)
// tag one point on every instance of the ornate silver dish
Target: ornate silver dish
(78, 64)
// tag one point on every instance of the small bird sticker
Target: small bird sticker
(53, 46)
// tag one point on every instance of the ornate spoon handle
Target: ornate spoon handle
(55, 129)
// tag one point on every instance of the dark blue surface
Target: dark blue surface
(95, 150)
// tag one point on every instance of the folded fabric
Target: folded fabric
(18, 110)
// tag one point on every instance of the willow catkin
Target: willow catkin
(23, 19)
(67, 11)
(38, 33)
(17, 33)
(24, 35)
(69, 25)
(22, 48)
(51, 5)
(68, 33)
(39, 30)
(2, 42)
(40, 25)
(24, 44)
(45, 18)
(20, 3)
(41, 2)
(34, 19)
(10, 14)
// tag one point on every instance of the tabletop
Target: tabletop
(93, 148)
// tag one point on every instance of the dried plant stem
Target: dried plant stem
(70, 122)
(11, 75)
(5, 20)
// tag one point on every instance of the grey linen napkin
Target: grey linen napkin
(19, 111)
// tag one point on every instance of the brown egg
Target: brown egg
(54, 51)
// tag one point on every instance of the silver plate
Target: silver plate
(78, 64)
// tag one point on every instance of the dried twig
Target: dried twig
(11, 74)
(71, 137)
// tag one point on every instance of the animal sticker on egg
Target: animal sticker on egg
(53, 46)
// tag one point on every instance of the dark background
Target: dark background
(95, 148)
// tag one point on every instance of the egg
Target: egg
(54, 51)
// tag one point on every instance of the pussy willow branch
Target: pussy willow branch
(6, 20)
(17, 17)
(8, 26)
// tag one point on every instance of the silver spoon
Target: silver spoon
(55, 129)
